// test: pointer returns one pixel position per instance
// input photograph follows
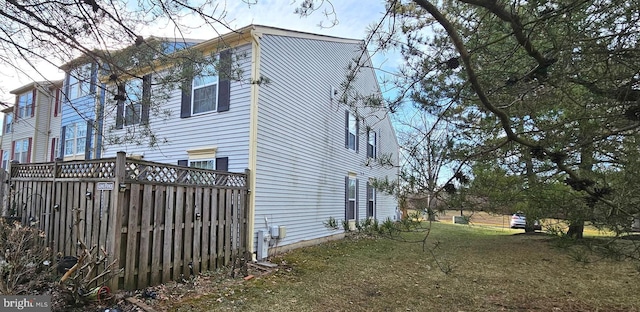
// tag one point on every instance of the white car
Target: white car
(519, 221)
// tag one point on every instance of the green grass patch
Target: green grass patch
(470, 269)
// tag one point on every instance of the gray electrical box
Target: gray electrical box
(275, 231)
(263, 245)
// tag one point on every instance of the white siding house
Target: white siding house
(31, 128)
(310, 156)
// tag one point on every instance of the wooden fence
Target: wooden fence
(161, 222)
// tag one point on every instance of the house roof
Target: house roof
(31, 85)
(244, 34)
(85, 58)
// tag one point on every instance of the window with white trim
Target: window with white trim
(372, 138)
(133, 104)
(203, 164)
(5, 159)
(205, 91)
(21, 151)
(75, 138)
(25, 105)
(351, 198)
(352, 131)
(371, 201)
(9, 123)
(79, 82)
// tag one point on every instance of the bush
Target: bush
(24, 259)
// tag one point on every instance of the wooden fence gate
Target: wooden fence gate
(161, 222)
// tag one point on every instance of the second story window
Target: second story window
(351, 130)
(371, 144)
(205, 91)
(210, 91)
(79, 82)
(133, 103)
(25, 105)
(8, 123)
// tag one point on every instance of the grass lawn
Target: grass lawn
(487, 270)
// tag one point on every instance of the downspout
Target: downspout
(253, 137)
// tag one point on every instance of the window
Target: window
(371, 201)
(21, 150)
(25, 104)
(205, 91)
(209, 91)
(75, 138)
(371, 144)
(351, 131)
(351, 198)
(203, 164)
(79, 82)
(9, 123)
(5, 159)
(133, 103)
(205, 158)
(54, 149)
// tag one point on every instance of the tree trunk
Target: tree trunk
(576, 229)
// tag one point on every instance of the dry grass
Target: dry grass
(486, 270)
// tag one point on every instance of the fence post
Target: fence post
(114, 236)
(4, 191)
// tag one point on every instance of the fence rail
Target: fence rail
(161, 222)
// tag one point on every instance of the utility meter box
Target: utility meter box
(282, 232)
(275, 231)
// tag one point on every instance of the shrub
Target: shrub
(24, 259)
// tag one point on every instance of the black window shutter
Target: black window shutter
(222, 163)
(346, 198)
(88, 140)
(346, 129)
(62, 140)
(120, 97)
(93, 80)
(146, 98)
(367, 197)
(357, 135)
(376, 148)
(183, 162)
(357, 199)
(185, 107)
(65, 98)
(224, 83)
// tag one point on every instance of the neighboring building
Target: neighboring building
(83, 99)
(311, 157)
(31, 128)
(81, 103)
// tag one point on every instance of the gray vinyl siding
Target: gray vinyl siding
(302, 161)
(42, 119)
(228, 131)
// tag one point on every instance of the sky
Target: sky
(353, 16)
